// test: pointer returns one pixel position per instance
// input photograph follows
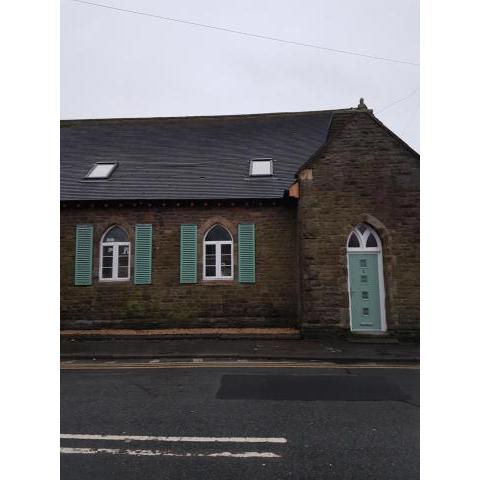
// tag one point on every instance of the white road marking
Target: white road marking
(118, 451)
(79, 436)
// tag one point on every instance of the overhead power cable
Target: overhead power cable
(409, 120)
(398, 101)
(246, 34)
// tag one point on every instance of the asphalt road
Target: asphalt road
(286, 423)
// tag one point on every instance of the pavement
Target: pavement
(328, 350)
(249, 422)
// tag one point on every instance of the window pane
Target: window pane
(107, 251)
(123, 261)
(226, 271)
(353, 241)
(226, 248)
(210, 249)
(106, 273)
(107, 262)
(116, 234)
(217, 233)
(122, 272)
(210, 271)
(101, 170)
(210, 260)
(362, 227)
(261, 167)
(226, 259)
(371, 242)
(123, 249)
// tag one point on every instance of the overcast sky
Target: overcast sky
(116, 64)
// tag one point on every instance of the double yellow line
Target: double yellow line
(198, 363)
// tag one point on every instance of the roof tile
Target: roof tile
(188, 157)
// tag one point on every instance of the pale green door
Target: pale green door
(364, 291)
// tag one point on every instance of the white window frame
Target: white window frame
(218, 256)
(263, 160)
(362, 237)
(116, 246)
(88, 176)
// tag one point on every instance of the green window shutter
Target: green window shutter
(188, 254)
(246, 253)
(83, 254)
(143, 254)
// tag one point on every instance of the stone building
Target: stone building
(307, 220)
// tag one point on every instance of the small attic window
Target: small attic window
(101, 170)
(261, 167)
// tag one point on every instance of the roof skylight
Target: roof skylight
(261, 167)
(101, 170)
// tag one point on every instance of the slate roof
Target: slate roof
(188, 157)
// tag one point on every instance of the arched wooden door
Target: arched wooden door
(365, 281)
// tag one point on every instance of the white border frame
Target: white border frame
(218, 255)
(115, 245)
(381, 281)
(105, 177)
(261, 160)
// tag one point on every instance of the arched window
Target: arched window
(218, 254)
(364, 238)
(115, 255)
